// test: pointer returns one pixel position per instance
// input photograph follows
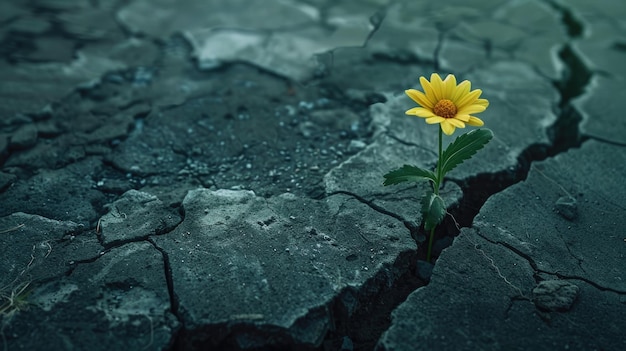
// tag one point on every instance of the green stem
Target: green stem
(439, 175)
(436, 191)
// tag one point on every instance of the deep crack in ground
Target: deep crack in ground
(564, 134)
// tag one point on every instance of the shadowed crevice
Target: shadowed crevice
(174, 304)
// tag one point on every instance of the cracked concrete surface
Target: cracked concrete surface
(518, 241)
(184, 175)
(244, 260)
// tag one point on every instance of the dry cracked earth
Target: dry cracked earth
(207, 175)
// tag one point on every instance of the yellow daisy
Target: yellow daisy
(447, 103)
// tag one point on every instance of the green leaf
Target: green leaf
(433, 210)
(408, 174)
(463, 148)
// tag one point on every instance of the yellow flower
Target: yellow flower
(447, 103)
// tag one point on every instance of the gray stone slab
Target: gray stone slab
(37, 248)
(136, 215)
(63, 194)
(600, 106)
(526, 31)
(460, 37)
(291, 54)
(588, 245)
(389, 118)
(49, 62)
(603, 50)
(526, 276)
(28, 88)
(101, 305)
(179, 16)
(478, 299)
(95, 23)
(245, 266)
(403, 35)
(234, 31)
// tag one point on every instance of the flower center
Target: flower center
(445, 108)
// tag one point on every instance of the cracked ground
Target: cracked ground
(193, 175)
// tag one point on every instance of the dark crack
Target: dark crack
(565, 132)
(478, 189)
(573, 26)
(588, 281)
(563, 135)
(407, 143)
(538, 271)
(518, 252)
(357, 316)
(174, 304)
(362, 321)
(408, 224)
(375, 303)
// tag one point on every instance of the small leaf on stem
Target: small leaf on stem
(408, 174)
(463, 148)
(433, 210)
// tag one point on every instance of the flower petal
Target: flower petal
(447, 128)
(475, 121)
(428, 90)
(449, 86)
(471, 109)
(433, 120)
(461, 90)
(420, 112)
(419, 97)
(468, 99)
(482, 102)
(463, 118)
(437, 84)
(457, 123)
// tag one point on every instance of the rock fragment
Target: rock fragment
(134, 216)
(24, 137)
(555, 295)
(566, 207)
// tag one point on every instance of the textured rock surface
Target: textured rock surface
(530, 267)
(555, 295)
(184, 175)
(602, 49)
(270, 265)
(99, 303)
(135, 216)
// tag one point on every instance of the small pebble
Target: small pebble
(566, 206)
